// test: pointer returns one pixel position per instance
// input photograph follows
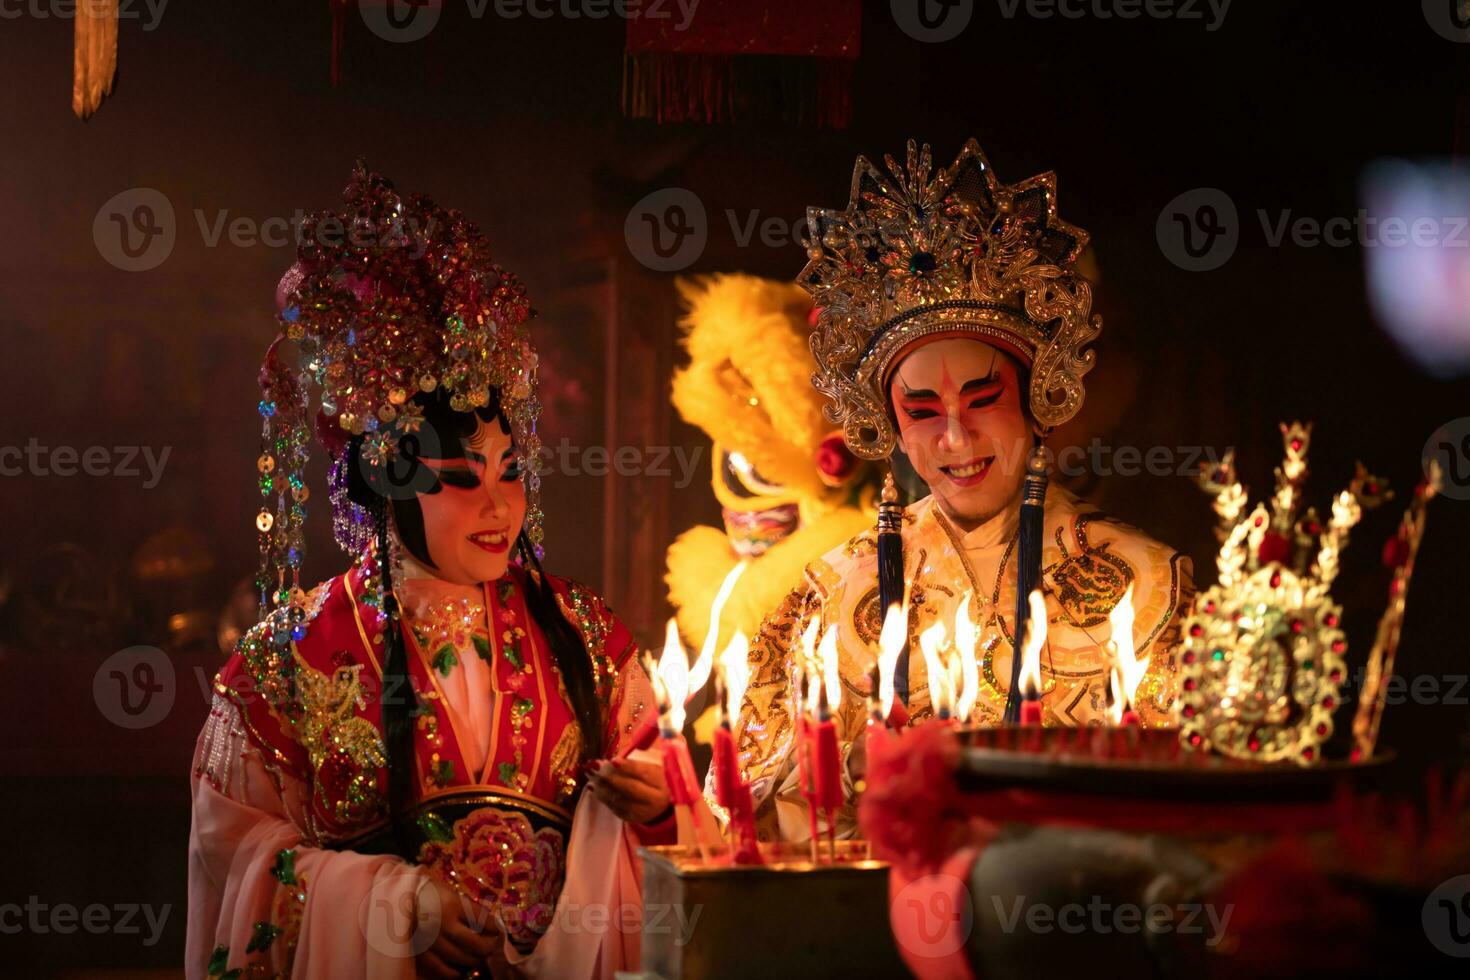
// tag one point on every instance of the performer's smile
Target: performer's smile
(969, 473)
(495, 542)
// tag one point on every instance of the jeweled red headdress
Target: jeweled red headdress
(390, 296)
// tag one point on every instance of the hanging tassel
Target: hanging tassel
(399, 705)
(94, 55)
(1028, 566)
(890, 573)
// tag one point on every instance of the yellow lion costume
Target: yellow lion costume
(789, 490)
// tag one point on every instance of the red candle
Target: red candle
(829, 767)
(727, 773)
(1031, 712)
(680, 791)
(804, 770)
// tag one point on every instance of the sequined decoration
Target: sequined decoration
(410, 302)
(520, 685)
(352, 525)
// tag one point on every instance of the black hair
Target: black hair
(396, 487)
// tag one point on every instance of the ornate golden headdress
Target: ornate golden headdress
(917, 257)
(1262, 665)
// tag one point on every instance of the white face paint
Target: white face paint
(471, 524)
(960, 422)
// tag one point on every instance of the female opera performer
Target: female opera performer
(390, 780)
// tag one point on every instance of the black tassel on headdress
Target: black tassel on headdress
(398, 703)
(1028, 566)
(890, 573)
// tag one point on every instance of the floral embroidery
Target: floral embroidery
(441, 771)
(452, 623)
(261, 937)
(519, 684)
(495, 858)
(593, 619)
(219, 961)
(283, 925)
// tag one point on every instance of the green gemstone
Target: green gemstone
(285, 867)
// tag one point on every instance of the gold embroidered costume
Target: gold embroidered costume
(1088, 562)
(918, 256)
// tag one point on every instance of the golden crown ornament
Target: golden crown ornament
(1261, 667)
(919, 256)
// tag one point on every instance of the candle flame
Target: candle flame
(1127, 668)
(1035, 640)
(699, 673)
(964, 638)
(673, 673)
(827, 652)
(809, 665)
(1117, 699)
(890, 645)
(930, 642)
(735, 668)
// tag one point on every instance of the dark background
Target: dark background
(227, 107)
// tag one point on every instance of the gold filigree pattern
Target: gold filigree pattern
(1090, 584)
(564, 759)
(1262, 664)
(345, 751)
(918, 254)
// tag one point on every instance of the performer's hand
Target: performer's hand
(634, 790)
(467, 937)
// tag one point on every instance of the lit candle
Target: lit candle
(673, 687)
(890, 645)
(930, 642)
(1031, 661)
(805, 739)
(731, 790)
(735, 670)
(647, 729)
(1126, 671)
(964, 638)
(828, 756)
